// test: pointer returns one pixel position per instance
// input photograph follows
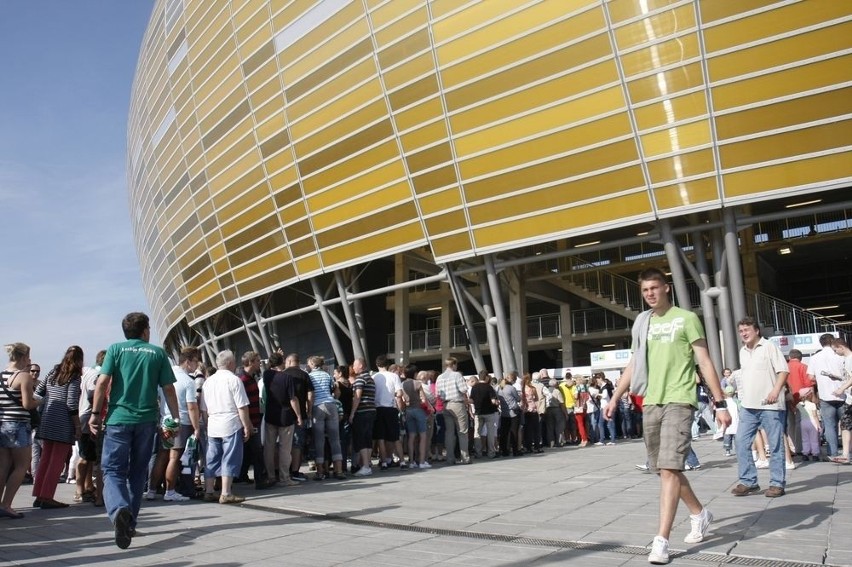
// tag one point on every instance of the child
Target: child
(731, 431)
(809, 420)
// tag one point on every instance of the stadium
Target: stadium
(485, 178)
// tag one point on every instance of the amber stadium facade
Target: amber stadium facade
(483, 178)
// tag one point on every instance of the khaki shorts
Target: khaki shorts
(668, 435)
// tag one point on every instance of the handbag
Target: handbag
(35, 416)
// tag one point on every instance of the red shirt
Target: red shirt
(798, 378)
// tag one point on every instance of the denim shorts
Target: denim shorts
(415, 420)
(15, 434)
(225, 455)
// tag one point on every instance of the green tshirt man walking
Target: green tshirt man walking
(131, 375)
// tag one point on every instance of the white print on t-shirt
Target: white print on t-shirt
(665, 332)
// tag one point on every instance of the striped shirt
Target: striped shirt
(253, 395)
(365, 383)
(10, 403)
(60, 403)
(323, 386)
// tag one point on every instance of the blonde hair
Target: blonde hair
(17, 351)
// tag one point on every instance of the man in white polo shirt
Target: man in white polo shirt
(761, 393)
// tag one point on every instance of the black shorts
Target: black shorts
(362, 430)
(387, 425)
(90, 447)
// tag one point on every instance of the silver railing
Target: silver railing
(788, 319)
(597, 320)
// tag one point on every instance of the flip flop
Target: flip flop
(11, 515)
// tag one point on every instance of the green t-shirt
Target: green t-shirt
(671, 366)
(138, 369)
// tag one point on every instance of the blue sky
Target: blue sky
(71, 271)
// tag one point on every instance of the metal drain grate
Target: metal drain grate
(716, 558)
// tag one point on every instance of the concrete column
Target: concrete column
(446, 331)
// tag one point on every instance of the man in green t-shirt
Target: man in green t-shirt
(131, 374)
(672, 341)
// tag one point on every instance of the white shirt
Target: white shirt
(387, 385)
(760, 367)
(184, 392)
(223, 395)
(829, 361)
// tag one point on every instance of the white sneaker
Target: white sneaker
(175, 497)
(761, 464)
(151, 495)
(790, 465)
(364, 471)
(659, 551)
(413, 465)
(700, 525)
(425, 465)
(643, 468)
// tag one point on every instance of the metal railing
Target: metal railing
(597, 320)
(795, 228)
(786, 318)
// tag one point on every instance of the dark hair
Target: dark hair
(749, 321)
(652, 274)
(276, 359)
(343, 370)
(188, 354)
(826, 339)
(70, 367)
(795, 353)
(382, 361)
(410, 371)
(134, 325)
(99, 359)
(839, 343)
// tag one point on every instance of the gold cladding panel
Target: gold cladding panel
(676, 139)
(781, 52)
(791, 174)
(374, 244)
(558, 195)
(358, 185)
(655, 27)
(439, 201)
(681, 165)
(590, 214)
(671, 110)
(787, 113)
(687, 193)
(787, 144)
(781, 83)
(372, 202)
(453, 244)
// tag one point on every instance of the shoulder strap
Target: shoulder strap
(20, 402)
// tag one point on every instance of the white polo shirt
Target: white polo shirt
(224, 395)
(759, 374)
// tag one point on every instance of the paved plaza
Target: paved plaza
(566, 507)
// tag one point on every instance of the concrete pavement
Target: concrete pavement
(568, 506)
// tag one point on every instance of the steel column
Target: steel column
(326, 319)
(672, 249)
(730, 344)
(735, 268)
(710, 324)
(261, 326)
(354, 336)
(491, 330)
(500, 313)
(467, 322)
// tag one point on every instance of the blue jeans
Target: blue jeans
(124, 462)
(603, 425)
(692, 459)
(772, 421)
(831, 415)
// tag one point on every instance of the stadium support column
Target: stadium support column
(456, 286)
(210, 342)
(730, 340)
(491, 329)
(249, 334)
(261, 327)
(710, 325)
(735, 269)
(503, 333)
(326, 319)
(672, 248)
(566, 329)
(518, 320)
(401, 320)
(359, 318)
(354, 334)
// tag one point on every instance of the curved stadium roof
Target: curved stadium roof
(270, 141)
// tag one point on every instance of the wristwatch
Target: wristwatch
(721, 404)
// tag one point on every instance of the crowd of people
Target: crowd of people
(139, 427)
